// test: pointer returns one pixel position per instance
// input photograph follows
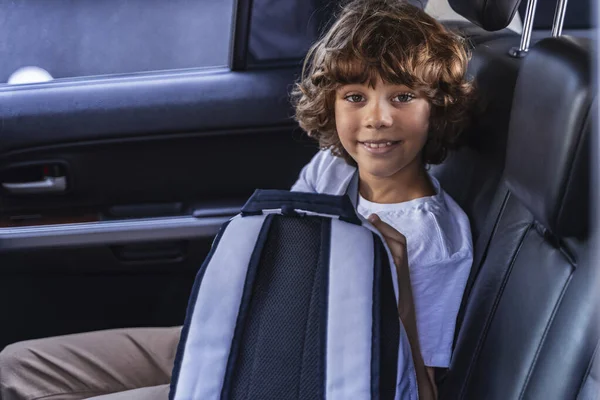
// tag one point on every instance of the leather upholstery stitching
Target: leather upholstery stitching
(589, 369)
(546, 330)
(492, 314)
(571, 173)
(476, 268)
(491, 238)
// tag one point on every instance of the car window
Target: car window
(578, 15)
(285, 30)
(66, 38)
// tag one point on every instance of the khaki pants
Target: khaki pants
(105, 365)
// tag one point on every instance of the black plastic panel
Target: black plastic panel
(182, 168)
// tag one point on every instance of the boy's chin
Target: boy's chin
(386, 168)
(379, 172)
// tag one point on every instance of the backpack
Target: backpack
(296, 300)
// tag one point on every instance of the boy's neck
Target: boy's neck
(411, 182)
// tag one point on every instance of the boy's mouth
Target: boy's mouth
(379, 146)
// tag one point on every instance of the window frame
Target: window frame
(240, 36)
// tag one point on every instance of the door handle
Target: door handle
(50, 184)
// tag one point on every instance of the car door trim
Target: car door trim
(110, 232)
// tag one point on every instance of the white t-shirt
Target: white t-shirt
(439, 249)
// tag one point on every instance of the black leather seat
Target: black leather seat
(472, 175)
(530, 323)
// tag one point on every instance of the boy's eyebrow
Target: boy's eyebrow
(347, 86)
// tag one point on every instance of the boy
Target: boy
(384, 92)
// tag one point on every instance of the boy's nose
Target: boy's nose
(378, 116)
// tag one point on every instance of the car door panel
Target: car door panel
(154, 164)
(169, 168)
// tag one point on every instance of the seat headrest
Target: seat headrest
(491, 15)
(547, 163)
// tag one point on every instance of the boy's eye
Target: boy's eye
(354, 98)
(404, 97)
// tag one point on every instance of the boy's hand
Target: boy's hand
(406, 308)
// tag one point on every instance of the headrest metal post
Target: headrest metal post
(559, 17)
(522, 50)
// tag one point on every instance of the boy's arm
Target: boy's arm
(406, 308)
(325, 173)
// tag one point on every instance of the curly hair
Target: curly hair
(399, 43)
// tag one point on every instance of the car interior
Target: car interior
(113, 188)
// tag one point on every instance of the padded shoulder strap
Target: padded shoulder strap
(352, 190)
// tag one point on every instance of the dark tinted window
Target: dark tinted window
(578, 16)
(71, 38)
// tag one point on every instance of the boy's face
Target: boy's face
(383, 128)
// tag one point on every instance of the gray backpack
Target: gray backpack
(296, 300)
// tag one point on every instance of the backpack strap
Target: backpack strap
(352, 190)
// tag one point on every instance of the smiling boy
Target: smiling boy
(385, 94)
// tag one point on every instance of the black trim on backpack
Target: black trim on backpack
(245, 306)
(375, 328)
(325, 257)
(318, 203)
(189, 312)
(386, 327)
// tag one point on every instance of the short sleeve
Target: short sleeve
(437, 292)
(326, 174)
